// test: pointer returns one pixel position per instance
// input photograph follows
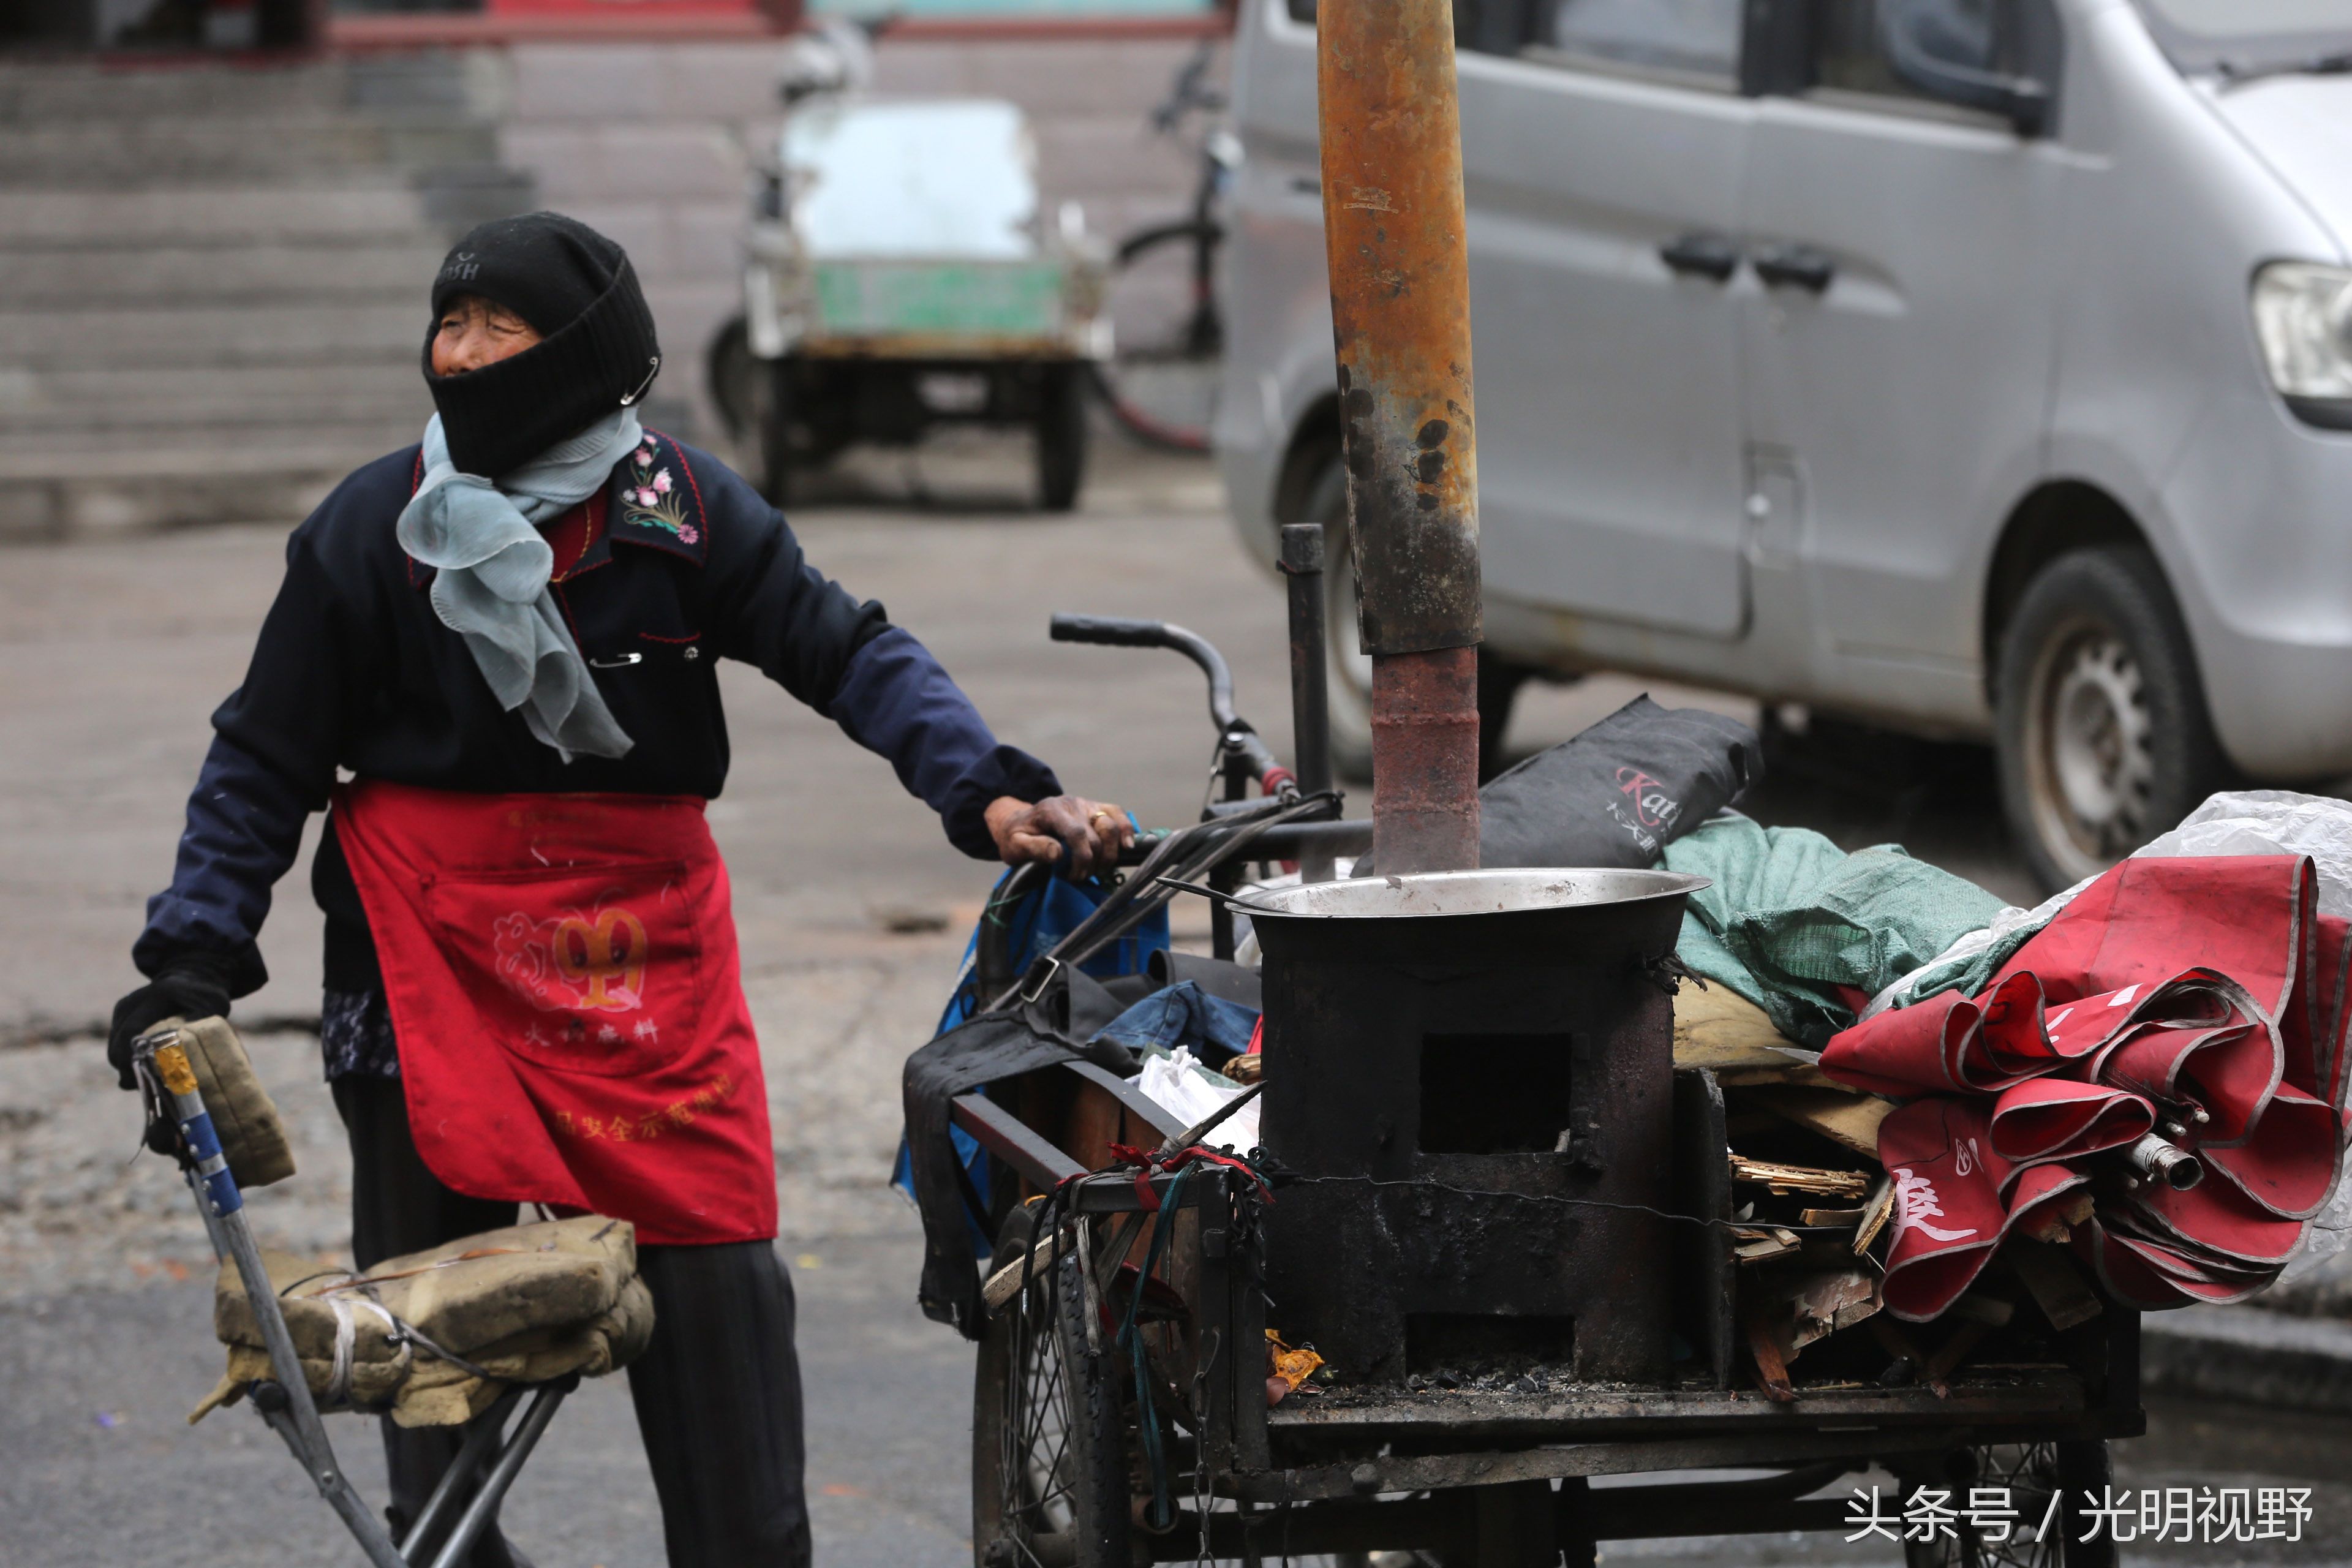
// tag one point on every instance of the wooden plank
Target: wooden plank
(1730, 1036)
(1010, 1139)
(1124, 1091)
(1849, 1120)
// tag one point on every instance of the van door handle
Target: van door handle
(1795, 266)
(1708, 255)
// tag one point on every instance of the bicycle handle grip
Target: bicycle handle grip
(1112, 631)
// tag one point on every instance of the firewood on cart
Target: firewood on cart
(1980, 1315)
(1875, 1214)
(1005, 1283)
(1806, 1308)
(2056, 1224)
(2058, 1288)
(1761, 1246)
(1801, 1180)
(1771, 1360)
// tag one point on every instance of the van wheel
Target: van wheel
(1350, 668)
(2105, 741)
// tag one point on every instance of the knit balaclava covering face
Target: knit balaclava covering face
(597, 350)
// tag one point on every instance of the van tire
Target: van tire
(1349, 678)
(2104, 738)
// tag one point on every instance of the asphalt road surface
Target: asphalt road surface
(853, 912)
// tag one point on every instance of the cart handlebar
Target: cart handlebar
(1233, 729)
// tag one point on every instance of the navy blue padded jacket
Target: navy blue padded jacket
(354, 670)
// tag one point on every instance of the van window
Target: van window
(1685, 37)
(1857, 42)
(1487, 27)
(2240, 37)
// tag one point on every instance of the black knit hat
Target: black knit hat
(597, 348)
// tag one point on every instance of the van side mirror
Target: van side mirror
(1936, 46)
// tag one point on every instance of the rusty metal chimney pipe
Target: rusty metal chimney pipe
(1392, 222)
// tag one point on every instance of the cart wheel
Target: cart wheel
(1048, 1452)
(2032, 1474)
(1061, 437)
(771, 417)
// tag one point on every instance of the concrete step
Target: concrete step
(383, 271)
(427, 83)
(179, 151)
(360, 207)
(147, 337)
(100, 406)
(48, 90)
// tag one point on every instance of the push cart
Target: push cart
(899, 276)
(1522, 1276)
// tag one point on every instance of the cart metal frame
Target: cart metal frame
(492, 1454)
(1460, 1472)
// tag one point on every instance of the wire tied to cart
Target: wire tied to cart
(1181, 1157)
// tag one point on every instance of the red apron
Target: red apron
(562, 978)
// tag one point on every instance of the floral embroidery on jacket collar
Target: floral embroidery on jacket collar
(649, 499)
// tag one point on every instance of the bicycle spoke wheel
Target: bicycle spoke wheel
(1160, 383)
(1049, 1468)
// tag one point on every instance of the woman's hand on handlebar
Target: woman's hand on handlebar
(1089, 831)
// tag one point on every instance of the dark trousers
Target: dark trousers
(717, 1393)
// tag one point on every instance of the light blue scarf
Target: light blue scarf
(491, 571)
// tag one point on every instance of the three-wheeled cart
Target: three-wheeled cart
(899, 276)
(1063, 1471)
(1489, 1200)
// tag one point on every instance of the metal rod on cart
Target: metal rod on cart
(481, 1437)
(526, 1434)
(1393, 227)
(291, 1409)
(1311, 674)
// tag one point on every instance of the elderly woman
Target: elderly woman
(508, 637)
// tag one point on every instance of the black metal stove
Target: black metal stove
(1448, 1056)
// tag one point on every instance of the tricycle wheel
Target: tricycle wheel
(1049, 1475)
(771, 417)
(1061, 437)
(2030, 1474)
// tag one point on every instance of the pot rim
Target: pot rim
(1515, 890)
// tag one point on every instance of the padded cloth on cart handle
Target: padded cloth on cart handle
(252, 1134)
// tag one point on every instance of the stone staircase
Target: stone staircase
(213, 276)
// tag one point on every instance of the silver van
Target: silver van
(1980, 369)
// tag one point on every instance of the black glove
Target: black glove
(188, 988)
